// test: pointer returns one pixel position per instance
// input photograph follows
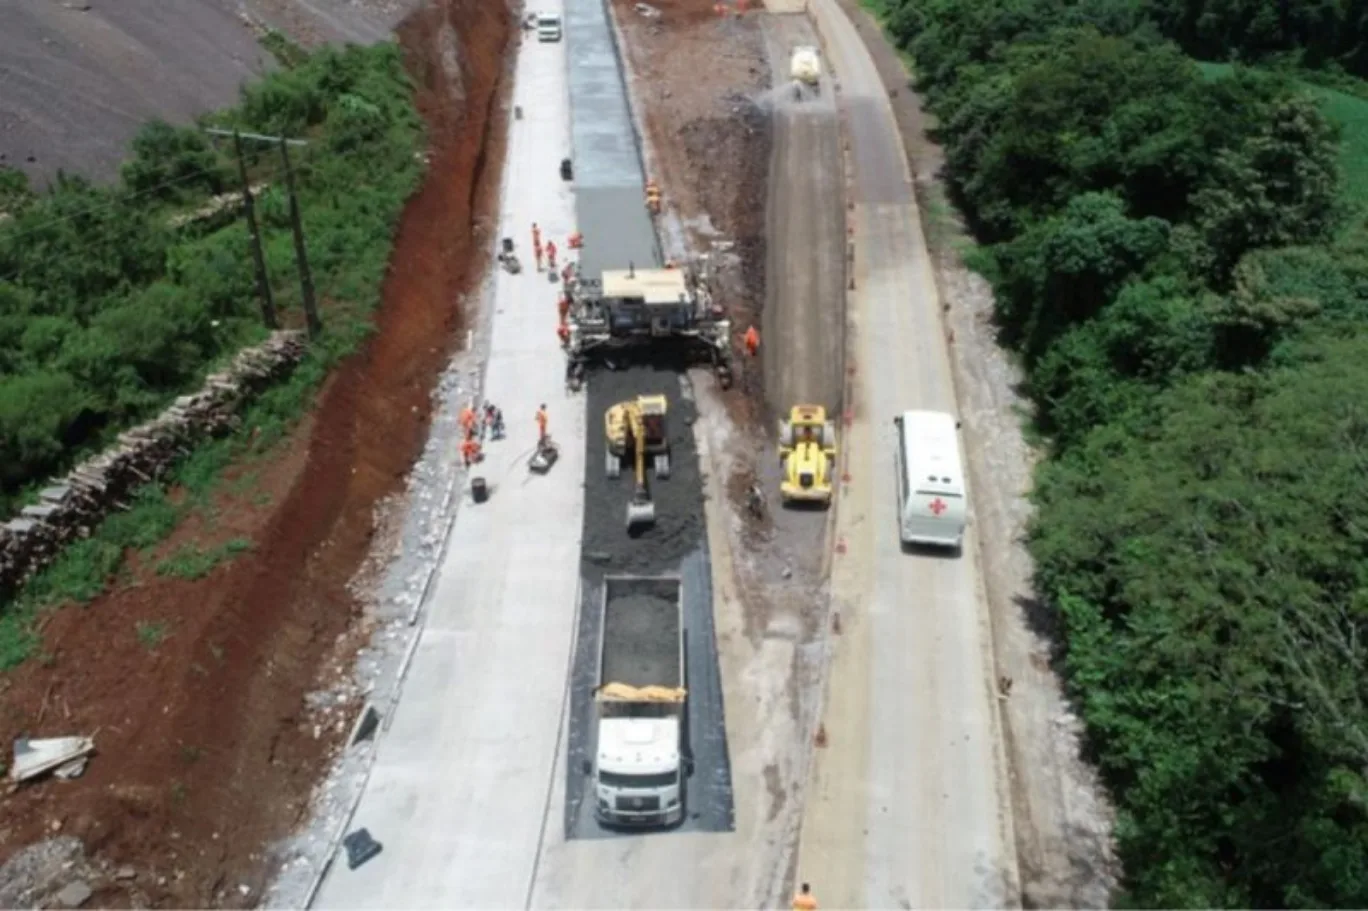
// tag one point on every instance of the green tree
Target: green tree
(174, 163)
(1064, 270)
(1277, 188)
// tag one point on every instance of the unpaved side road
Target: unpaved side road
(1062, 821)
(804, 315)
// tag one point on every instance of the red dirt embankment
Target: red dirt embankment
(207, 752)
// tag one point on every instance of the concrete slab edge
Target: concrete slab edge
(418, 614)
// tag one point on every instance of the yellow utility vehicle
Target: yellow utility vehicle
(633, 430)
(807, 450)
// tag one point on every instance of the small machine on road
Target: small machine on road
(807, 450)
(805, 69)
(633, 430)
(640, 767)
(544, 457)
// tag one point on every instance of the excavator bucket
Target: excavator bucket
(640, 512)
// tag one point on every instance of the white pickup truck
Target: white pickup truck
(640, 770)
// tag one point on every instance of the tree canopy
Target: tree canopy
(1176, 262)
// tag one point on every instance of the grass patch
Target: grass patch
(151, 635)
(194, 562)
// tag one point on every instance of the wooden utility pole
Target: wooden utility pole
(306, 287)
(268, 311)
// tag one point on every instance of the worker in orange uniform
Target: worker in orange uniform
(563, 333)
(804, 900)
(576, 240)
(468, 420)
(542, 419)
(752, 341)
(567, 273)
(551, 255)
(563, 307)
(536, 244)
(470, 450)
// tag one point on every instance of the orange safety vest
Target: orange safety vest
(541, 420)
(804, 901)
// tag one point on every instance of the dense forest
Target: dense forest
(114, 299)
(1184, 276)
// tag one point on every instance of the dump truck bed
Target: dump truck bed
(643, 642)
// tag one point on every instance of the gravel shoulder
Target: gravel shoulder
(1061, 816)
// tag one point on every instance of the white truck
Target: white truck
(639, 768)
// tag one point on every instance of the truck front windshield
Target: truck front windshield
(618, 780)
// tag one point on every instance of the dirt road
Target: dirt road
(1062, 820)
(804, 316)
(909, 804)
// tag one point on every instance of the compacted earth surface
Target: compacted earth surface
(1061, 816)
(195, 691)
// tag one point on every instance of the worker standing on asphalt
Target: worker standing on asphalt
(542, 419)
(576, 240)
(468, 420)
(752, 341)
(551, 255)
(804, 900)
(563, 307)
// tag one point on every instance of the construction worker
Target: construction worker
(470, 450)
(536, 235)
(752, 341)
(576, 240)
(563, 333)
(468, 420)
(804, 900)
(563, 308)
(551, 255)
(568, 273)
(542, 419)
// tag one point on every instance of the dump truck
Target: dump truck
(639, 767)
(807, 452)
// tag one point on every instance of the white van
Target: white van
(932, 504)
(548, 27)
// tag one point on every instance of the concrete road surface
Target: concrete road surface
(908, 804)
(804, 317)
(461, 790)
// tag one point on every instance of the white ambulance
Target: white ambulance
(932, 504)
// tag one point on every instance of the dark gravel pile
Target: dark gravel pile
(679, 525)
(641, 632)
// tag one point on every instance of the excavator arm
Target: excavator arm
(640, 510)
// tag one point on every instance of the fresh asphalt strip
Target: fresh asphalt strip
(676, 545)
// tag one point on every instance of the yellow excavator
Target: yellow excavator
(807, 450)
(635, 429)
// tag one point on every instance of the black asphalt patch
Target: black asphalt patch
(675, 545)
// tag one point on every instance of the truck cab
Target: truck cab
(640, 778)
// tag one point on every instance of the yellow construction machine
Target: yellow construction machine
(635, 429)
(807, 450)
